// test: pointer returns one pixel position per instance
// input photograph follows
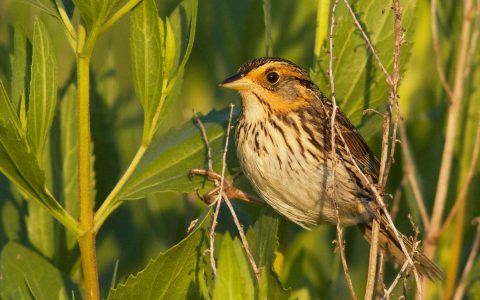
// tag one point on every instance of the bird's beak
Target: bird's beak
(237, 82)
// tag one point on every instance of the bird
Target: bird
(283, 142)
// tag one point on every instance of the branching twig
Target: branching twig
(395, 282)
(341, 245)
(451, 134)
(468, 266)
(462, 196)
(220, 182)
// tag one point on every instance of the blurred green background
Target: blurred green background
(228, 34)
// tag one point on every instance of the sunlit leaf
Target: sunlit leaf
(43, 89)
(69, 150)
(234, 278)
(263, 242)
(26, 275)
(167, 162)
(147, 59)
(95, 12)
(173, 274)
(47, 6)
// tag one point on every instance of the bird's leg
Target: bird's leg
(229, 189)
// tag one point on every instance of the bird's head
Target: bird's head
(272, 85)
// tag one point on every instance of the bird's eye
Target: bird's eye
(272, 77)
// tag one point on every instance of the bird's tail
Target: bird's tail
(388, 242)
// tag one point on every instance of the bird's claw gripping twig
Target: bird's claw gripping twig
(229, 189)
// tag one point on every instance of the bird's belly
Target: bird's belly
(299, 186)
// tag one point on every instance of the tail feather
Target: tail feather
(388, 242)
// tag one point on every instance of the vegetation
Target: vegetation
(98, 136)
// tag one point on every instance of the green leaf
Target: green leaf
(26, 275)
(359, 82)
(46, 5)
(95, 12)
(43, 89)
(182, 23)
(263, 241)
(146, 60)
(19, 67)
(19, 164)
(40, 228)
(173, 274)
(69, 150)
(234, 278)
(167, 162)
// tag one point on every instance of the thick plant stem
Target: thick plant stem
(87, 240)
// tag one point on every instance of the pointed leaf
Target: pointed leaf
(43, 89)
(46, 5)
(26, 275)
(146, 59)
(166, 164)
(234, 277)
(69, 150)
(263, 241)
(19, 67)
(173, 274)
(19, 164)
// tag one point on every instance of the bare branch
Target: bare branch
(243, 238)
(409, 169)
(372, 263)
(451, 134)
(462, 196)
(436, 50)
(205, 140)
(340, 241)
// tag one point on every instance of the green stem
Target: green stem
(87, 240)
(119, 14)
(110, 203)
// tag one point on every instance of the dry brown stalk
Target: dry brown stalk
(409, 169)
(462, 196)
(436, 50)
(340, 241)
(451, 134)
(220, 192)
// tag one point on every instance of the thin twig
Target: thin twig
(395, 282)
(409, 169)
(205, 140)
(468, 266)
(379, 201)
(340, 242)
(436, 50)
(473, 41)
(243, 238)
(395, 78)
(451, 134)
(372, 262)
(462, 196)
(367, 40)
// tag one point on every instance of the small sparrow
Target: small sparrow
(283, 140)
